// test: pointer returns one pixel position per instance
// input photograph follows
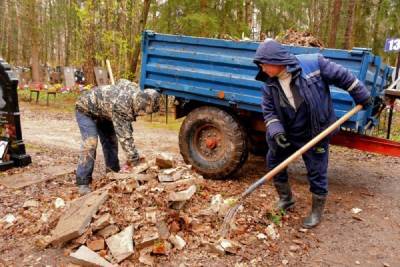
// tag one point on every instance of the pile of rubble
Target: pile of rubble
(293, 37)
(140, 215)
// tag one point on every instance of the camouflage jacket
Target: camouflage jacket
(119, 103)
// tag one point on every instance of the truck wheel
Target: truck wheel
(213, 142)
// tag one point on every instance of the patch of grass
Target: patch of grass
(64, 102)
(276, 216)
(158, 122)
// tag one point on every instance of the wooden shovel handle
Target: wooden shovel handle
(301, 151)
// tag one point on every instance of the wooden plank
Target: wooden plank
(20, 180)
(77, 217)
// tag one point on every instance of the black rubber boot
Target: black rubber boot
(318, 204)
(286, 200)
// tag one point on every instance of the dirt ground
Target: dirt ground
(357, 180)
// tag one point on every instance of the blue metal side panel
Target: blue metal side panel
(201, 69)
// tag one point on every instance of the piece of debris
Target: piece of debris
(272, 232)
(141, 168)
(356, 210)
(151, 214)
(59, 203)
(31, 203)
(9, 218)
(87, 256)
(161, 247)
(230, 246)
(109, 231)
(261, 236)
(20, 180)
(182, 195)
(177, 241)
(170, 186)
(294, 248)
(358, 218)
(285, 262)
(121, 244)
(165, 161)
(77, 217)
(163, 230)
(178, 205)
(216, 248)
(216, 202)
(358, 262)
(385, 264)
(293, 37)
(96, 245)
(303, 230)
(148, 240)
(101, 222)
(45, 217)
(146, 259)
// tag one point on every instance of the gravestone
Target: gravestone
(12, 147)
(69, 78)
(101, 76)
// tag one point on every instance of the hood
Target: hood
(272, 52)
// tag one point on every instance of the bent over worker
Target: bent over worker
(296, 107)
(107, 113)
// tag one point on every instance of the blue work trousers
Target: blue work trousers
(91, 130)
(316, 161)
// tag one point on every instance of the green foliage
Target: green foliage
(276, 216)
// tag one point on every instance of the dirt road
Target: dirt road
(357, 180)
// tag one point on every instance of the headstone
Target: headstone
(69, 78)
(101, 76)
(12, 147)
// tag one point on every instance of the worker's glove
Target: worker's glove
(281, 140)
(367, 103)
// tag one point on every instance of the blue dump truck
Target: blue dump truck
(213, 83)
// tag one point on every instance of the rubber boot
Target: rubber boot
(286, 200)
(318, 204)
(83, 189)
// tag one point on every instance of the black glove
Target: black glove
(281, 140)
(367, 103)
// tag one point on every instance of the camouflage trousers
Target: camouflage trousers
(91, 130)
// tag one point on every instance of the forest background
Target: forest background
(84, 33)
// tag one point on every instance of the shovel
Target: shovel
(232, 211)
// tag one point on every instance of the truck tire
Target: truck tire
(213, 142)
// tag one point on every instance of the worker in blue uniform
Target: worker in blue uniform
(297, 106)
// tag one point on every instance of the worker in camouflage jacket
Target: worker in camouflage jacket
(297, 106)
(107, 113)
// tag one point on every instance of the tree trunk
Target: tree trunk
(142, 25)
(90, 60)
(35, 66)
(376, 45)
(349, 25)
(248, 9)
(334, 23)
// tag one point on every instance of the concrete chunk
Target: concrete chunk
(87, 256)
(230, 246)
(165, 161)
(121, 244)
(177, 241)
(31, 203)
(103, 221)
(148, 240)
(182, 195)
(163, 230)
(96, 245)
(109, 231)
(77, 217)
